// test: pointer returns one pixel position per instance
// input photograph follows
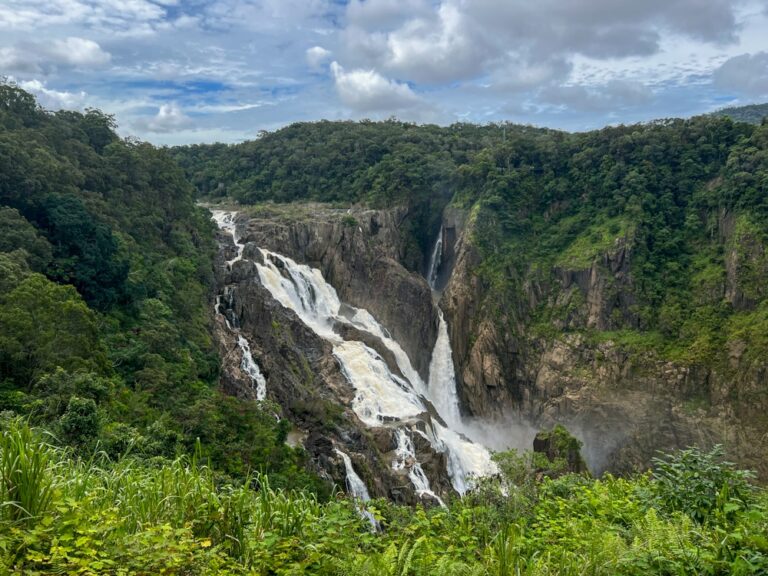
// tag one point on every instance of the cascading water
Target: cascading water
(357, 489)
(381, 397)
(405, 455)
(442, 390)
(226, 221)
(355, 484)
(435, 260)
(442, 379)
(249, 366)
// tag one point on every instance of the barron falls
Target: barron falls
(409, 428)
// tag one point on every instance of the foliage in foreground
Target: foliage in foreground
(62, 515)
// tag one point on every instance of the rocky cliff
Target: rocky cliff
(550, 352)
(624, 400)
(304, 379)
(362, 254)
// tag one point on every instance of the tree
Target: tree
(44, 325)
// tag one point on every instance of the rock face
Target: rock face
(625, 405)
(304, 379)
(361, 254)
(559, 444)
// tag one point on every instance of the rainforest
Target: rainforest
(383, 348)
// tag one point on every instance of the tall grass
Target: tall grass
(61, 515)
(28, 474)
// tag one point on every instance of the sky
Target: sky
(190, 71)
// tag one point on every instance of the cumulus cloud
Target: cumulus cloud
(42, 57)
(54, 99)
(169, 118)
(442, 49)
(457, 40)
(369, 91)
(77, 52)
(746, 74)
(317, 56)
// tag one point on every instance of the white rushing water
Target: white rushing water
(435, 260)
(442, 377)
(226, 221)
(355, 484)
(445, 397)
(356, 487)
(382, 398)
(249, 366)
(405, 455)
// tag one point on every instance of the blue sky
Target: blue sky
(186, 71)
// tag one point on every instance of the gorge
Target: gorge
(414, 423)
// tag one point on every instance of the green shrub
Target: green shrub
(701, 484)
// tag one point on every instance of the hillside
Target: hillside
(752, 114)
(594, 279)
(105, 311)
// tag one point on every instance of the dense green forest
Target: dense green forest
(753, 113)
(373, 163)
(118, 455)
(668, 189)
(105, 273)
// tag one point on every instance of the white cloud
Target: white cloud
(369, 91)
(113, 15)
(54, 99)
(169, 118)
(43, 57)
(456, 40)
(436, 51)
(746, 74)
(77, 52)
(317, 56)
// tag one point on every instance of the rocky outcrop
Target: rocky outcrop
(361, 253)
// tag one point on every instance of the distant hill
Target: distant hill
(752, 114)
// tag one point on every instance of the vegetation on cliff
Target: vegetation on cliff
(686, 200)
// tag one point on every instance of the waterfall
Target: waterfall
(249, 366)
(356, 487)
(435, 260)
(442, 378)
(226, 221)
(355, 484)
(406, 459)
(382, 398)
(445, 398)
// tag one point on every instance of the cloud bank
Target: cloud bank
(179, 71)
